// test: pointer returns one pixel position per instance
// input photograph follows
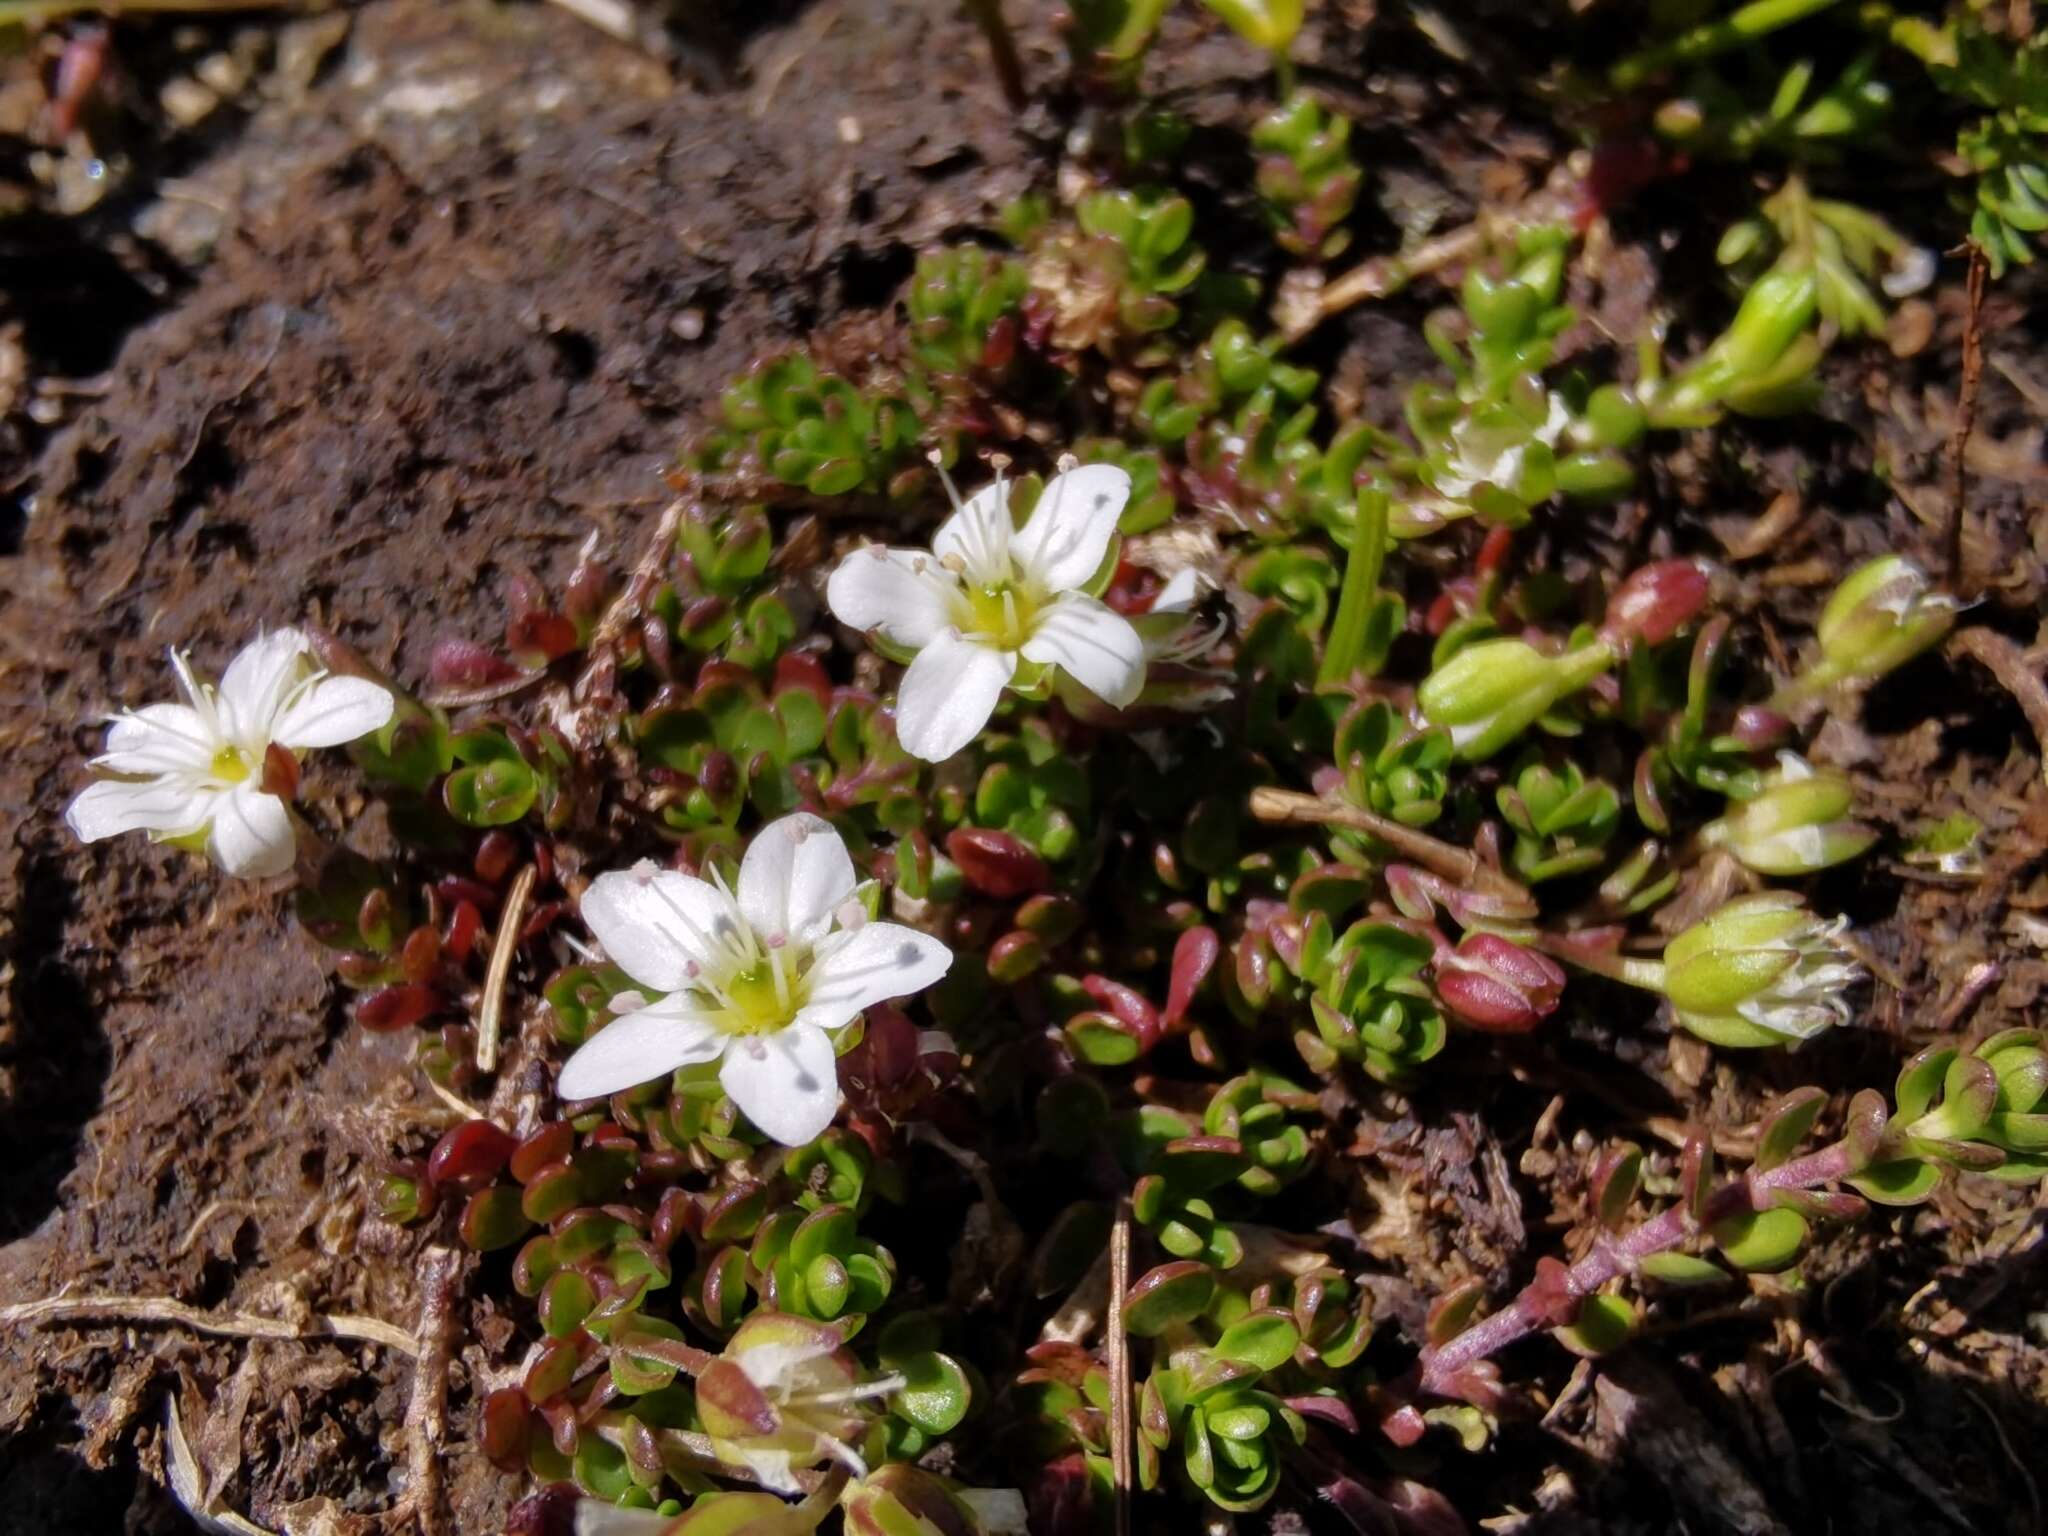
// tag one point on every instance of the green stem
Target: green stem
(1283, 75)
(1344, 652)
(1757, 19)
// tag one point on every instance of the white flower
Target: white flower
(1487, 450)
(993, 606)
(755, 979)
(195, 773)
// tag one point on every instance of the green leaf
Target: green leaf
(1603, 1325)
(1764, 1241)
(1171, 1293)
(1264, 1339)
(1683, 1269)
(1903, 1181)
(936, 1393)
(1785, 1124)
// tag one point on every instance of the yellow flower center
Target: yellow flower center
(999, 614)
(763, 998)
(231, 765)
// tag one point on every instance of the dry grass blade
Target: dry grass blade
(503, 947)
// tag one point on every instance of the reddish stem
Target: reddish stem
(1613, 1256)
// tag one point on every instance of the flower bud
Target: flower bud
(1489, 693)
(1496, 985)
(1656, 602)
(1880, 617)
(1777, 308)
(1762, 970)
(1799, 823)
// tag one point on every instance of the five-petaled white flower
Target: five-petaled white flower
(202, 773)
(992, 606)
(756, 977)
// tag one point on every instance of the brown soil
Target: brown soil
(444, 338)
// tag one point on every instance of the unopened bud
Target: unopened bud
(1656, 602)
(1489, 693)
(1880, 617)
(1496, 985)
(1798, 823)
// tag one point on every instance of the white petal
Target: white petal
(1181, 591)
(904, 593)
(252, 833)
(1070, 528)
(656, 923)
(334, 711)
(637, 1048)
(257, 683)
(795, 872)
(979, 532)
(1093, 644)
(786, 1083)
(947, 695)
(110, 807)
(159, 738)
(876, 961)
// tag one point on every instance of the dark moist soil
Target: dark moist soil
(469, 283)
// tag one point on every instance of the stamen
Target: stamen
(881, 1386)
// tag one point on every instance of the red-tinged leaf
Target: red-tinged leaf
(996, 863)
(1195, 954)
(507, 1427)
(420, 956)
(550, 1143)
(470, 1156)
(495, 855)
(395, 1008)
(465, 922)
(1404, 1425)
(540, 638)
(1128, 1006)
(549, 1512)
(801, 669)
(463, 664)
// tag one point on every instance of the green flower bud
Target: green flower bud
(1882, 616)
(1762, 970)
(1489, 693)
(1799, 823)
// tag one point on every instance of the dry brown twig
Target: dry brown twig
(1966, 415)
(2005, 661)
(426, 1412)
(237, 1325)
(1289, 808)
